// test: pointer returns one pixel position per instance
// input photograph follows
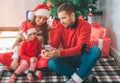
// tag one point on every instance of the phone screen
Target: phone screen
(47, 47)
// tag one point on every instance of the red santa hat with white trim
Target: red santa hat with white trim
(40, 10)
(27, 29)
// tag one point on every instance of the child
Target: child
(29, 50)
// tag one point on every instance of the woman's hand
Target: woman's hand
(14, 64)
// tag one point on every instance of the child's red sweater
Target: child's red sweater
(29, 49)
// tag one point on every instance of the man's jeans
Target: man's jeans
(81, 64)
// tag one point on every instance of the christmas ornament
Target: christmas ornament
(90, 16)
(49, 4)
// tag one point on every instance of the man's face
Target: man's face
(65, 19)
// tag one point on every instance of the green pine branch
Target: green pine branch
(82, 7)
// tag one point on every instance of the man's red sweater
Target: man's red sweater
(71, 39)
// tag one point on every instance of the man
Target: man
(73, 60)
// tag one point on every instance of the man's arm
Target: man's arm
(56, 40)
(83, 38)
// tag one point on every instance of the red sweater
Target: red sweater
(29, 49)
(71, 39)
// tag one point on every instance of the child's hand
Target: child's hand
(33, 59)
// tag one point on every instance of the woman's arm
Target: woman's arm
(18, 39)
(16, 45)
(15, 56)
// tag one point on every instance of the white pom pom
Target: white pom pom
(37, 72)
(25, 35)
(31, 15)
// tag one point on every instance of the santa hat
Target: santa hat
(41, 9)
(27, 29)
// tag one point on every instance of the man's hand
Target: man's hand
(55, 52)
(43, 53)
(14, 64)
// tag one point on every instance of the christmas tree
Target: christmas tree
(83, 7)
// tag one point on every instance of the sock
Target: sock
(38, 74)
(12, 78)
(30, 77)
(76, 78)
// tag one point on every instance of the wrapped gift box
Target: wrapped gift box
(98, 31)
(103, 44)
(99, 37)
(93, 42)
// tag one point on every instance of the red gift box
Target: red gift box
(93, 42)
(103, 44)
(98, 31)
(106, 46)
(99, 37)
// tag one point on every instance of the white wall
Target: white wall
(13, 12)
(111, 19)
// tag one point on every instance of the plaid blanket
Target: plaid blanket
(106, 71)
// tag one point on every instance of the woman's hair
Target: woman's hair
(45, 32)
(44, 29)
(67, 7)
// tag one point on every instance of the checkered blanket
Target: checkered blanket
(106, 71)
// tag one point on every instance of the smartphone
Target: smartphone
(47, 47)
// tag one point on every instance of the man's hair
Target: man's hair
(67, 7)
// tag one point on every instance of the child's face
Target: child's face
(32, 36)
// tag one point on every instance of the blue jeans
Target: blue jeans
(81, 64)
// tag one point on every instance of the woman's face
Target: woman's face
(40, 20)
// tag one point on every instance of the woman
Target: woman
(38, 17)
(27, 52)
